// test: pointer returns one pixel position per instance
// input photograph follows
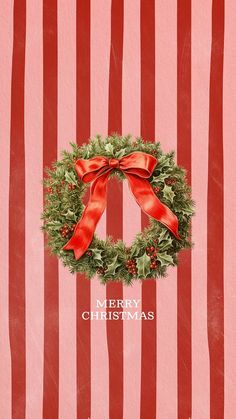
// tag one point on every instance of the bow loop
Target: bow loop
(138, 163)
(89, 170)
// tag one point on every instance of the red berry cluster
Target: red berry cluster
(71, 186)
(156, 189)
(170, 181)
(131, 266)
(59, 189)
(102, 270)
(152, 253)
(154, 152)
(66, 230)
(60, 186)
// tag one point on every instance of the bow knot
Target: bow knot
(137, 167)
(114, 163)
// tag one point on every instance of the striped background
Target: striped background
(164, 69)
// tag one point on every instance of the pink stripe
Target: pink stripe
(230, 205)
(201, 49)
(6, 35)
(131, 212)
(67, 133)
(34, 205)
(166, 133)
(100, 53)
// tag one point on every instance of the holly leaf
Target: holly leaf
(165, 244)
(185, 209)
(60, 172)
(87, 151)
(109, 148)
(164, 239)
(160, 178)
(164, 161)
(97, 256)
(111, 267)
(143, 265)
(54, 225)
(70, 215)
(165, 259)
(70, 178)
(168, 193)
(135, 251)
(120, 153)
(164, 235)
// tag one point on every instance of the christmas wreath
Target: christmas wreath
(159, 187)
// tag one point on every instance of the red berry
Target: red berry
(170, 181)
(152, 249)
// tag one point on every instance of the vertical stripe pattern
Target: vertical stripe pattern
(17, 216)
(82, 135)
(147, 127)
(114, 219)
(67, 282)
(34, 253)
(184, 159)
(166, 132)
(215, 217)
(51, 308)
(163, 70)
(6, 43)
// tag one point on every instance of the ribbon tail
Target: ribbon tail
(85, 228)
(151, 205)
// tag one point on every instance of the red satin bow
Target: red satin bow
(137, 167)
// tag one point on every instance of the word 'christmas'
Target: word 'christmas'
(117, 314)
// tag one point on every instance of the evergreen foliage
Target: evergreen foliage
(108, 259)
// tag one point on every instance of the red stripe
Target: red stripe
(17, 216)
(215, 213)
(184, 159)
(83, 133)
(115, 211)
(148, 350)
(51, 315)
